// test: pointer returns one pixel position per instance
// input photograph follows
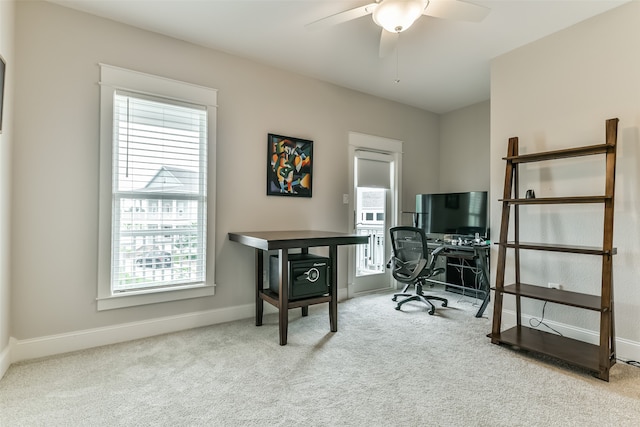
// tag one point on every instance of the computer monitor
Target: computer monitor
(453, 213)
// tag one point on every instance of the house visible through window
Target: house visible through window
(157, 139)
(159, 158)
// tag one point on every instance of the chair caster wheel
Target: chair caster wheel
(398, 308)
(394, 299)
(432, 311)
(445, 304)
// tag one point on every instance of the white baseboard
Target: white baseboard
(625, 349)
(19, 350)
(33, 348)
(350, 291)
(80, 340)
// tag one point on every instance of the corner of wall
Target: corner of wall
(5, 358)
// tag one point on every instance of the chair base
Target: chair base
(419, 296)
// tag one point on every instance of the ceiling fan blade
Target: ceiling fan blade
(388, 43)
(341, 17)
(456, 10)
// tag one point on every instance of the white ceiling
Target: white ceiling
(442, 65)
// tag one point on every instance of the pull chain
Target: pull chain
(397, 79)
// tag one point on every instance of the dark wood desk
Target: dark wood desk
(479, 254)
(282, 241)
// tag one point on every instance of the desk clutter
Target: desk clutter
(462, 240)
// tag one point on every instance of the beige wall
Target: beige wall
(6, 142)
(557, 92)
(462, 153)
(464, 149)
(56, 161)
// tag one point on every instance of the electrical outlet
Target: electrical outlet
(345, 199)
(552, 285)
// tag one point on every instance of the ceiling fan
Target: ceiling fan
(395, 16)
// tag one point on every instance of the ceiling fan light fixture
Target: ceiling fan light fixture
(396, 16)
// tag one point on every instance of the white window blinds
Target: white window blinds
(159, 193)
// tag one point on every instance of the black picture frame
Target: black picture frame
(3, 67)
(289, 166)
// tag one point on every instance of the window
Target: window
(156, 185)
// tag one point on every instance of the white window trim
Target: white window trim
(112, 78)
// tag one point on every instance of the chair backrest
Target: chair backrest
(408, 243)
(410, 253)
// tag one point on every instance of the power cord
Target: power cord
(541, 321)
(460, 269)
(537, 322)
(634, 363)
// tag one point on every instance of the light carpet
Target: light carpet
(383, 367)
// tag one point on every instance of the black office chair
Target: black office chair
(411, 264)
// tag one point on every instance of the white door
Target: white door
(375, 171)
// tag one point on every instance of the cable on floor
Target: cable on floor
(541, 321)
(633, 363)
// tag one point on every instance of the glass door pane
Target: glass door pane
(370, 221)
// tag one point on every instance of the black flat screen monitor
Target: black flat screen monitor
(453, 213)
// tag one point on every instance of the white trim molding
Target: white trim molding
(376, 148)
(34, 348)
(112, 78)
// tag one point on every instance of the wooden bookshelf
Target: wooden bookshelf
(597, 358)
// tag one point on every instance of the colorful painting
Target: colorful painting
(2, 68)
(289, 166)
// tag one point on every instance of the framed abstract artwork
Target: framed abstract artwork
(289, 166)
(2, 71)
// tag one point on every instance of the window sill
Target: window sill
(132, 299)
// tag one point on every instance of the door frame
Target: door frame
(376, 144)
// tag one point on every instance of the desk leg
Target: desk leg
(333, 304)
(283, 295)
(259, 262)
(481, 263)
(305, 309)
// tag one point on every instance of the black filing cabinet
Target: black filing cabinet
(308, 275)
